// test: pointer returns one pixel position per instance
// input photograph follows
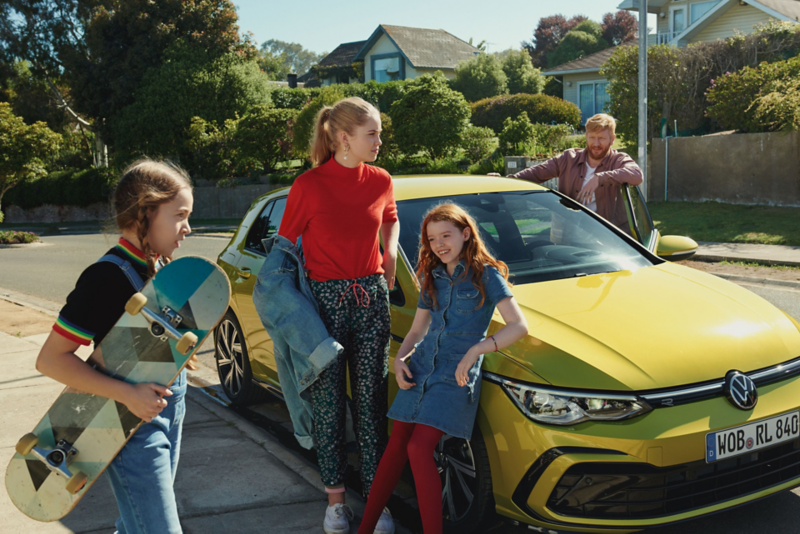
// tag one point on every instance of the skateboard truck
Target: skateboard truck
(56, 460)
(162, 326)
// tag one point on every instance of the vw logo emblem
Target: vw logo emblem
(740, 390)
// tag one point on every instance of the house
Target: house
(680, 22)
(337, 67)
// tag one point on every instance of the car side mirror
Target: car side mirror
(676, 248)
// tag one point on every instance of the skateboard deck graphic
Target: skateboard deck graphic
(81, 434)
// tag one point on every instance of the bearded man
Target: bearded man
(593, 175)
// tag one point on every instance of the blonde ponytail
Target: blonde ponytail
(344, 116)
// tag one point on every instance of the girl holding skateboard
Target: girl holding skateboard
(438, 366)
(152, 203)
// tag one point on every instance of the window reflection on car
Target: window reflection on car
(538, 234)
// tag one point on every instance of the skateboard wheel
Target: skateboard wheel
(77, 482)
(135, 303)
(185, 344)
(26, 444)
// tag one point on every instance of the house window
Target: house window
(386, 69)
(592, 99)
(701, 8)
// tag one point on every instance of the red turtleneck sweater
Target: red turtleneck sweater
(339, 212)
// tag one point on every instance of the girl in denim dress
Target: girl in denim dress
(438, 366)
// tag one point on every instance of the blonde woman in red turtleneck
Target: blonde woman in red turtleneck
(341, 208)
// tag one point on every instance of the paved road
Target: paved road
(50, 271)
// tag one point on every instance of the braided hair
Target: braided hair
(144, 186)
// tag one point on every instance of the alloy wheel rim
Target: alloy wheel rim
(456, 464)
(230, 359)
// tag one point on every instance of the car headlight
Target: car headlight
(562, 407)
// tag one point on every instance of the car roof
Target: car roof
(410, 187)
(427, 186)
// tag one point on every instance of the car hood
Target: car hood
(655, 327)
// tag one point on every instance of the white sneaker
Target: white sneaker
(337, 519)
(385, 524)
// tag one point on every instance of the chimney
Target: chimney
(292, 79)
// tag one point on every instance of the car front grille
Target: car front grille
(640, 491)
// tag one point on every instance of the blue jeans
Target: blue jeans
(143, 472)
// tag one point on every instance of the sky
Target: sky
(320, 26)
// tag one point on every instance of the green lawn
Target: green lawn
(728, 223)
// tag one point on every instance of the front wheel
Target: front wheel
(467, 499)
(233, 363)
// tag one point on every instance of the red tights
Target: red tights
(415, 443)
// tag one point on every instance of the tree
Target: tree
(429, 117)
(188, 84)
(23, 150)
(585, 39)
(296, 58)
(104, 48)
(480, 46)
(619, 27)
(548, 33)
(521, 74)
(272, 65)
(480, 77)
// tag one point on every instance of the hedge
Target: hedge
(491, 112)
(64, 188)
(382, 95)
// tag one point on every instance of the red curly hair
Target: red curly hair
(475, 254)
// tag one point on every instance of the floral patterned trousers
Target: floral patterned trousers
(356, 314)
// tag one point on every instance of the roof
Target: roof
(788, 8)
(343, 55)
(422, 47)
(590, 63)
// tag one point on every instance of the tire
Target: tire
(467, 498)
(233, 363)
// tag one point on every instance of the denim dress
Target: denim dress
(457, 324)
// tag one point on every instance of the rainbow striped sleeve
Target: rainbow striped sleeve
(72, 332)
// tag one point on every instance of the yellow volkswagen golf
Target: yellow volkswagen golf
(646, 392)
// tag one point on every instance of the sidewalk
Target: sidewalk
(767, 254)
(233, 476)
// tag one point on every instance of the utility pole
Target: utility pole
(643, 92)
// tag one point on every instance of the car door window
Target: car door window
(639, 216)
(266, 225)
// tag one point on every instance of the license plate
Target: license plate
(752, 436)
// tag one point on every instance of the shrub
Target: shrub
(293, 98)
(389, 149)
(522, 76)
(516, 135)
(477, 142)
(491, 112)
(264, 137)
(550, 137)
(11, 237)
(779, 107)
(733, 96)
(492, 164)
(211, 149)
(480, 77)
(65, 188)
(303, 128)
(429, 117)
(381, 95)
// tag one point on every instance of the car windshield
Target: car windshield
(538, 234)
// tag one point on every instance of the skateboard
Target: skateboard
(79, 436)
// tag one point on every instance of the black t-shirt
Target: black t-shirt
(99, 298)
